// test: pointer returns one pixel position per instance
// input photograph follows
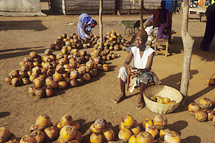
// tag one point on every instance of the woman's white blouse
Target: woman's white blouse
(140, 62)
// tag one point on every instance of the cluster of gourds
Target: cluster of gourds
(52, 71)
(73, 42)
(162, 100)
(204, 110)
(153, 130)
(111, 41)
(211, 81)
(67, 131)
(101, 131)
(42, 131)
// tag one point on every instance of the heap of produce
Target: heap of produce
(111, 40)
(7, 137)
(63, 131)
(101, 131)
(43, 131)
(62, 70)
(153, 130)
(162, 100)
(66, 130)
(204, 110)
(211, 81)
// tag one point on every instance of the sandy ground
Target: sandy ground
(21, 35)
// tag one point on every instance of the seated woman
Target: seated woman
(162, 20)
(142, 62)
(85, 25)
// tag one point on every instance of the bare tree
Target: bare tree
(188, 42)
(100, 23)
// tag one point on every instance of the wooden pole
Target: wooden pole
(188, 42)
(171, 13)
(141, 15)
(100, 24)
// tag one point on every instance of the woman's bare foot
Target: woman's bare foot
(140, 103)
(120, 98)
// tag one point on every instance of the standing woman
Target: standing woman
(210, 28)
(85, 24)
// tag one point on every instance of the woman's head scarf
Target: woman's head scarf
(93, 23)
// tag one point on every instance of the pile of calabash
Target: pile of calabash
(7, 137)
(43, 131)
(52, 71)
(211, 81)
(73, 42)
(102, 131)
(204, 110)
(153, 130)
(112, 41)
(28, 67)
(65, 130)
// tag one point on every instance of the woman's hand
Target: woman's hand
(133, 71)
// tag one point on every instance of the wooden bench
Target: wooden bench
(161, 47)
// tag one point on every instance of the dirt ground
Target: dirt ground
(18, 110)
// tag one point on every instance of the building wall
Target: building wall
(128, 6)
(83, 6)
(20, 6)
(58, 5)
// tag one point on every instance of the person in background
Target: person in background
(210, 28)
(85, 25)
(142, 62)
(162, 20)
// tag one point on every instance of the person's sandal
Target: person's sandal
(140, 106)
(119, 99)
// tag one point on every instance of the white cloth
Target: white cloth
(123, 75)
(152, 32)
(140, 62)
(80, 25)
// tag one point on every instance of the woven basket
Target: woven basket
(163, 91)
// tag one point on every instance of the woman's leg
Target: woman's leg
(122, 95)
(122, 88)
(122, 78)
(140, 102)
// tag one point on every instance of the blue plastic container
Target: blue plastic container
(169, 4)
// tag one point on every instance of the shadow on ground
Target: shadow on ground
(175, 79)
(178, 126)
(4, 114)
(194, 139)
(176, 47)
(35, 25)
(51, 12)
(21, 53)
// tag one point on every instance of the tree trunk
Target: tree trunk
(188, 42)
(100, 24)
(141, 15)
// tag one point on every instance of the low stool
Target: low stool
(161, 46)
